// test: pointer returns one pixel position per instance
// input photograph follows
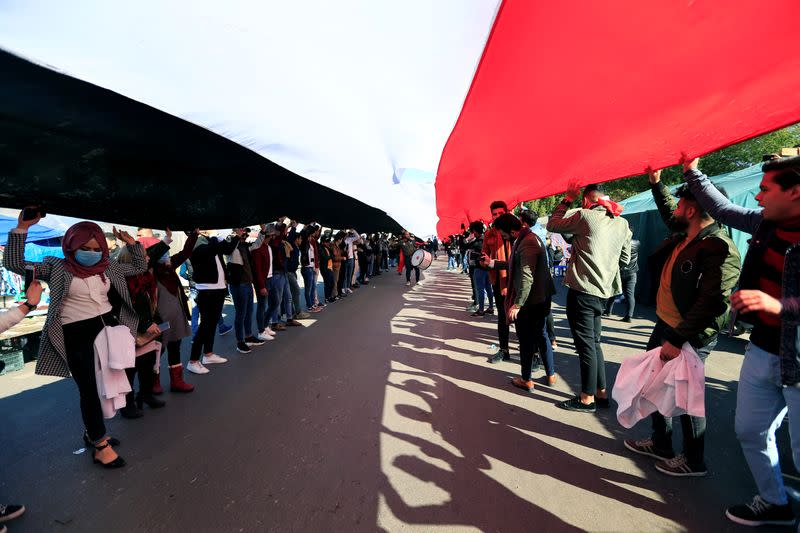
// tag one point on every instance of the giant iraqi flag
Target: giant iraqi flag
(420, 112)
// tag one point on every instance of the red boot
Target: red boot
(157, 384)
(176, 383)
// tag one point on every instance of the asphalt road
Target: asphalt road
(381, 414)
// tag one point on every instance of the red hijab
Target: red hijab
(77, 236)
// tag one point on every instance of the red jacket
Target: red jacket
(260, 258)
(313, 242)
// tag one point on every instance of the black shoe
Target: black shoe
(761, 513)
(501, 355)
(575, 404)
(606, 314)
(252, 341)
(627, 319)
(10, 512)
(242, 347)
(130, 410)
(605, 403)
(119, 462)
(151, 401)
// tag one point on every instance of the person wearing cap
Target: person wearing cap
(601, 242)
(769, 298)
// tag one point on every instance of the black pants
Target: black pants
(530, 326)
(502, 324)
(144, 367)
(409, 266)
(628, 289)
(79, 342)
(210, 303)
(584, 313)
(327, 278)
(551, 328)
(174, 352)
(471, 272)
(693, 427)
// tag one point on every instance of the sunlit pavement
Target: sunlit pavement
(381, 414)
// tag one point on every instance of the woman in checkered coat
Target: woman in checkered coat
(87, 292)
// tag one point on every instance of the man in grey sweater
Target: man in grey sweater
(601, 242)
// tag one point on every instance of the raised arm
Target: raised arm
(665, 202)
(559, 221)
(14, 256)
(181, 257)
(718, 206)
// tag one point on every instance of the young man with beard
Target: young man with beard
(530, 290)
(497, 248)
(601, 242)
(769, 298)
(694, 271)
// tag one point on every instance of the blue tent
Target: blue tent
(647, 226)
(35, 233)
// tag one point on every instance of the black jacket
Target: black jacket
(204, 267)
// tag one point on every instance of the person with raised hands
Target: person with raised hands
(83, 286)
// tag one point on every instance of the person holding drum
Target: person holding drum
(408, 247)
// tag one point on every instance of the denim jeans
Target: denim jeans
(348, 273)
(693, 427)
(761, 405)
(451, 262)
(482, 287)
(308, 282)
(277, 288)
(295, 290)
(287, 307)
(242, 296)
(584, 313)
(262, 302)
(628, 289)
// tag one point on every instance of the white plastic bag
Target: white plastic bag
(646, 384)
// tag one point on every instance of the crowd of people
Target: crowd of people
(107, 280)
(699, 284)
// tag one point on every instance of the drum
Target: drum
(422, 259)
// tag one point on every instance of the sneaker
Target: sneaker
(267, 332)
(408, 283)
(241, 347)
(647, 447)
(279, 327)
(225, 329)
(293, 323)
(478, 313)
(760, 513)
(490, 311)
(196, 367)
(627, 319)
(678, 466)
(501, 355)
(9, 512)
(314, 309)
(303, 315)
(212, 359)
(575, 404)
(254, 341)
(262, 337)
(605, 403)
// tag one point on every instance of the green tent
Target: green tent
(641, 213)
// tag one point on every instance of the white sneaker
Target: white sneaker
(210, 359)
(263, 337)
(268, 332)
(196, 367)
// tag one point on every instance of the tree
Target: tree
(732, 158)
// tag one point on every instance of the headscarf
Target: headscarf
(75, 237)
(147, 242)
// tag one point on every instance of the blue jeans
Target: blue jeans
(348, 273)
(196, 315)
(308, 282)
(277, 287)
(288, 300)
(482, 286)
(242, 296)
(294, 288)
(451, 262)
(261, 312)
(761, 405)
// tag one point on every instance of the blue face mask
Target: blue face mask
(88, 258)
